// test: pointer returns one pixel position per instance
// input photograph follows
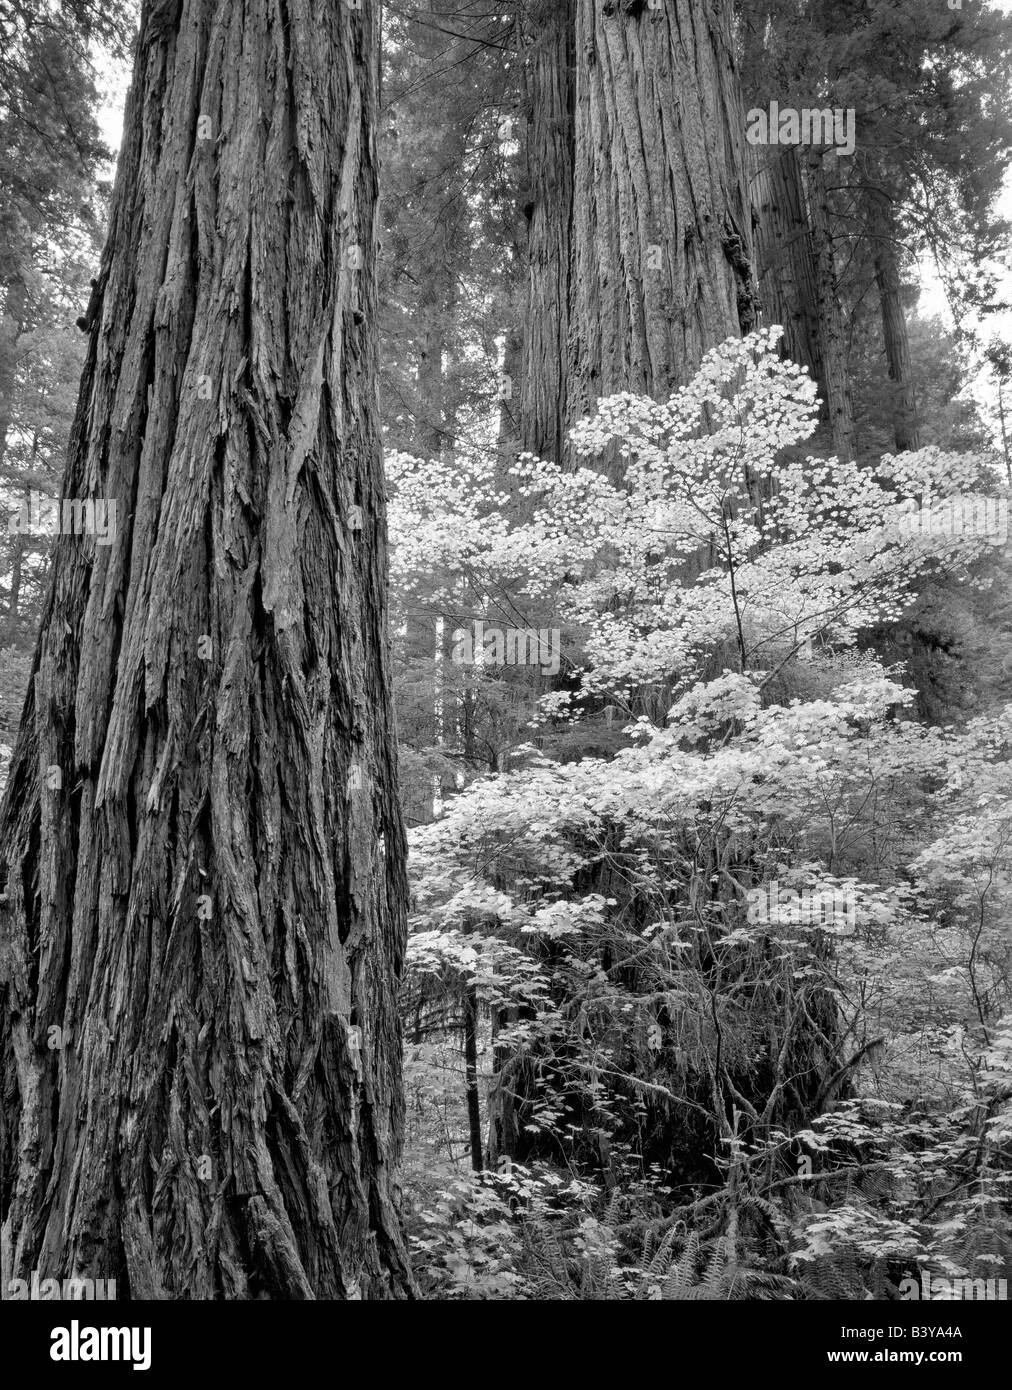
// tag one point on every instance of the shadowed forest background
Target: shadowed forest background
(690, 597)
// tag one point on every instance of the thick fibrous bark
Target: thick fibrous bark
(204, 860)
(639, 256)
(549, 84)
(794, 237)
(832, 343)
(662, 256)
(785, 263)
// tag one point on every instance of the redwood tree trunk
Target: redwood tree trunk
(437, 298)
(204, 914)
(662, 236)
(833, 346)
(547, 201)
(881, 229)
(652, 263)
(785, 263)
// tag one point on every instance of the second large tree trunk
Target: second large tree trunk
(786, 265)
(203, 923)
(832, 341)
(662, 236)
(542, 400)
(881, 228)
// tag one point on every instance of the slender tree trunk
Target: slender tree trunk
(436, 307)
(203, 923)
(662, 235)
(471, 1075)
(17, 561)
(513, 1087)
(438, 271)
(508, 441)
(833, 347)
(11, 327)
(14, 597)
(1004, 430)
(881, 228)
(430, 388)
